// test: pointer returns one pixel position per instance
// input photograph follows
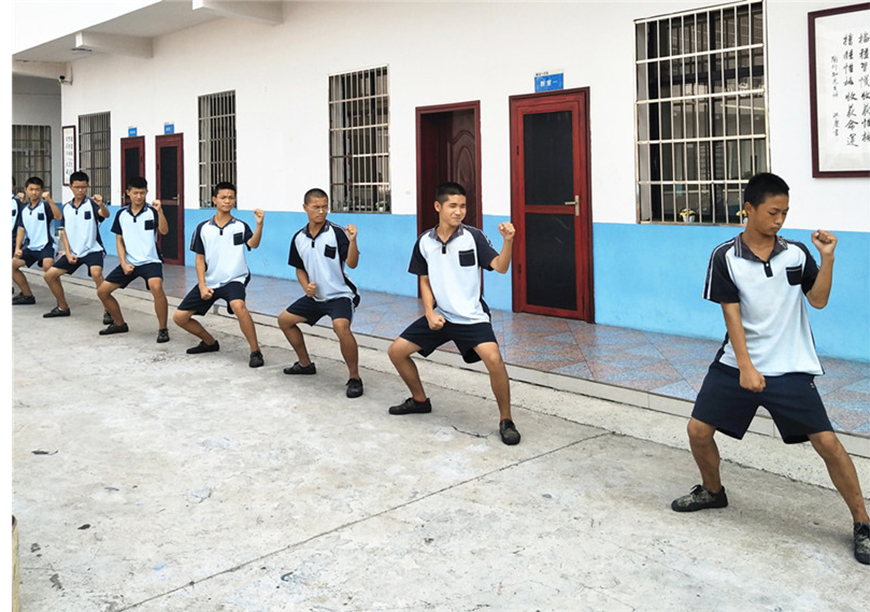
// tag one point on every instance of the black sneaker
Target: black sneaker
(115, 329)
(354, 387)
(202, 347)
(862, 543)
(22, 300)
(107, 318)
(509, 433)
(256, 360)
(411, 406)
(56, 312)
(700, 499)
(300, 369)
(162, 335)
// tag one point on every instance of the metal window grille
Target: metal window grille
(359, 141)
(701, 112)
(31, 154)
(95, 152)
(217, 142)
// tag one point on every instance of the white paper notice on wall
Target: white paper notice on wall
(842, 61)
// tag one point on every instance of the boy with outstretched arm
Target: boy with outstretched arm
(34, 241)
(447, 260)
(319, 252)
(81, 239)
(135, 228)
(222, 272)
(768, 357)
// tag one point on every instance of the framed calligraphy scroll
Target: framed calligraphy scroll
(69, 151)
(840, 91)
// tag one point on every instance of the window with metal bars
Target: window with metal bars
(359, 141)
(95, 152)
(701, 113)
(31, 154)
(217, 142)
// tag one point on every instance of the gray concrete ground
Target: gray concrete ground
(146, 479)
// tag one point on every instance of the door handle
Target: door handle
(576, 204)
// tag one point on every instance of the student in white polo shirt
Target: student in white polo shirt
(81, 239)
(448, 259)
(768, 357)
(222, 272)
(135, 228)
(34, 240)
(17, 204)
(319, 252)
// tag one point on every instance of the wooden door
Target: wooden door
(170, 192)
(132, 163)
(550, 204)
(448, 149)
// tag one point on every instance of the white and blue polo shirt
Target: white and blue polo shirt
(322, 257)
(16, 208)
(36, 221)
(82, 227)
(452, 268)
(772, 305)
(224, 251)
(139, 233)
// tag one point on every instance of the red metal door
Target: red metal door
(550, 204)
(132, 163)
(170, 191)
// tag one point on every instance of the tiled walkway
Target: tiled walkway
(661, 364)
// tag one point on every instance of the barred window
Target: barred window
(95, 152)
(701, 112)
(31, 154)
(217, 142)
(359, 141)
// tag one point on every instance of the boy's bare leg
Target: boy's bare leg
(161, 304)
(97, 275)
(348, 345)
(400, 352)
(184, 319)
(18, 276)
(498, 377)
(289, 324)
(52, 279)
(110, 304)
(706, 453)
(246, 323)
(842, 472)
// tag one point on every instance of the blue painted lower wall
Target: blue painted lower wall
(647, 277)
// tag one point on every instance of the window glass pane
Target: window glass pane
(678, 119)
(744, 111)
(665, 117)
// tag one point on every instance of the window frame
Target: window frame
(31, 154)
(96, 161)
(218, 142)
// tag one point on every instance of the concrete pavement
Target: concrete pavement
(146, 479)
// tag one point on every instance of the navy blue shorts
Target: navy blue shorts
(312, 311)
(791, 399)
(32, 257)
(145, 271)
(193, 300)
(464, 336)
(90, 260)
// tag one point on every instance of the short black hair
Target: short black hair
(314, 193)
(762, 186)
(137, 182)
(79, 176)
(222, 185)
(445, 190)
(34, 180)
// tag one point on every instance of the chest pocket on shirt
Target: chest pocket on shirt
(794, 274)
(238, 238)
(329, 251)
(466, 258)
(40, 216)
(149, 225)
(87, 214)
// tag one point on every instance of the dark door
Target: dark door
(550, 204)
(170, 192)
(132, 163)
(448, 149)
